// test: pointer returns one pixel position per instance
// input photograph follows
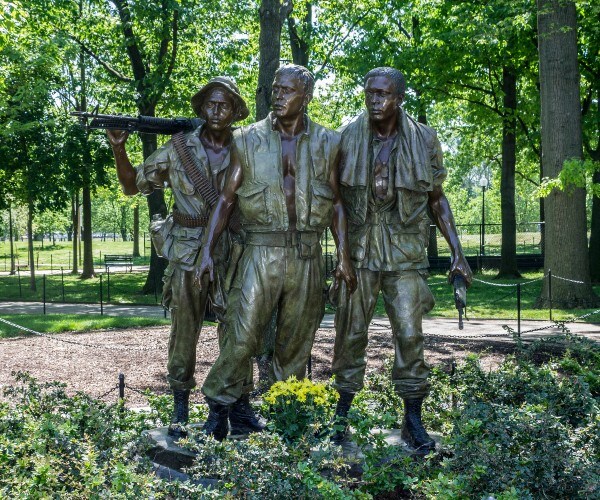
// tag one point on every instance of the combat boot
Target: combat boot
(216, 424)
(242, 418)
(340, 419)
(413, 431)
(181, 413)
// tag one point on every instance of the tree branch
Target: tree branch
(461, 98)
(133, 50)
(102, 63)
(335, 43)
(403, 30)
(527, 178)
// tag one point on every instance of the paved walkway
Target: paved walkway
(491, 329)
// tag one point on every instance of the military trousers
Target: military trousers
(406, 298)
(268, 277)
(187, 304)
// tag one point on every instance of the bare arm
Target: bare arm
(125, 171)
(220, 216)
(339, 229)
(444, 220)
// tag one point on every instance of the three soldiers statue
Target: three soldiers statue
(376, 184)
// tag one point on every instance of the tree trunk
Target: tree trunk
(595, 234)
(123, 224)
(136, 231)
(156, 205)
(566, 232)
(272, 14)
(299, 44)
(86, 232)
(595, 224)
(508, 251)
(75, 218)
(11, 239)
(30, 256)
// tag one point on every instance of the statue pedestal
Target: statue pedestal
(170, 459)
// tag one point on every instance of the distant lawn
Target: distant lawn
(485, 301)
(120, 287)
(59, 323)
(60, 254)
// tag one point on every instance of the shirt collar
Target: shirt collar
(307, 124)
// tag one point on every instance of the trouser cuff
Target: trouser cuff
(412, 390)
(178, 385)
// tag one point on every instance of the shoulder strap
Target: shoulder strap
(194, 171)
(200, 181)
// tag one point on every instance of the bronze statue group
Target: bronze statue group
(278, 184)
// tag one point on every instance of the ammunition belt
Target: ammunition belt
(186, 220)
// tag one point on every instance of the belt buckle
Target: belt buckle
(289, 239)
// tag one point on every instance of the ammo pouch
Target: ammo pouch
(159, 229)
(307, 243)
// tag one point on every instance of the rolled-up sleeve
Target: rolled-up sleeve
(154, 172)
(437, 163)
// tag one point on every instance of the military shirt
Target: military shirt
(389, 234)
(162, 169)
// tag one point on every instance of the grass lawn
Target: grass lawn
(60, 254)
(57, 323)
(484, 301)
(120, 287)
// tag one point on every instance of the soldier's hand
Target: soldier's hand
(117, 137)
(206, 266)
(345, 271)
(460, 266)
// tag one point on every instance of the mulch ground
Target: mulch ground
(91, 362)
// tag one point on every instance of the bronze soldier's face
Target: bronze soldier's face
(381, 99)
(218, 109)
(289, 97)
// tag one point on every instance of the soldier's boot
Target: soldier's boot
(340, 418)
(216, 424)
(181, 413)
(413, 431)
(242, 418)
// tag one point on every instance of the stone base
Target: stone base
(393, 437)
(170, 459)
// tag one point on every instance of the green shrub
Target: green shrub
(265, 466)
(56, 446)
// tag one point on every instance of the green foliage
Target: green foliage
(524, 429)
(53, 445)
(298, 408)
(575, 173)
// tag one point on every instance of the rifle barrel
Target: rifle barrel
(141, 123)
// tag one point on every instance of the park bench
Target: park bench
(118, 260)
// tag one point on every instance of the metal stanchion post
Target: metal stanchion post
(121, 387)
(108, 284)
(44, 291)
(101, 304)
(519, 309)
(62, 281)
(550, 291)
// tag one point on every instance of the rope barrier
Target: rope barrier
(82, 344)
(570, 280)
(556, 324)
(108, 392)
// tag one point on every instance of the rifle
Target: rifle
(460, 297)
(140, 123)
